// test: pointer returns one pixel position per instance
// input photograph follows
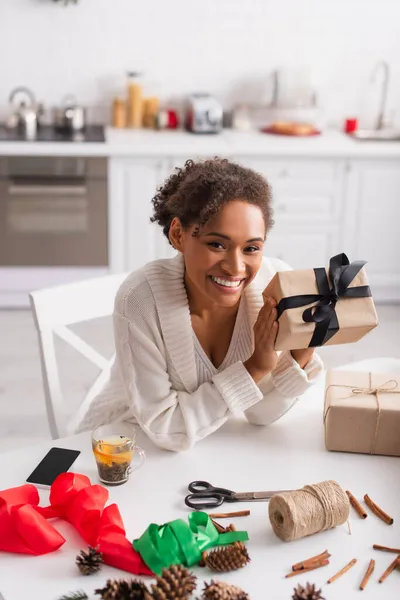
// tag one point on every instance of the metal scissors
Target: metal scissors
(205, 495)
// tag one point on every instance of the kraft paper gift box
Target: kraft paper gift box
(362, 412)
(322, 306)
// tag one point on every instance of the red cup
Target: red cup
(350, 125)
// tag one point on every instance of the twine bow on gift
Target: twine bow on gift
(323, 313)
(378, 390)
(389, 387)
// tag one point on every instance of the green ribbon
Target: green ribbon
(181, 543)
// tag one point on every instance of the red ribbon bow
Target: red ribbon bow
(24, 528)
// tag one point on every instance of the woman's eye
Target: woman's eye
(217, 245)
(252, 249)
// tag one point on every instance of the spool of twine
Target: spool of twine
(312, 509)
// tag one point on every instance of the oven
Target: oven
(53, 219)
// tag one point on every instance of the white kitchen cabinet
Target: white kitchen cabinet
(373, 220)
(134, 240)
(310, 170)
(308, 208)
(300, 250)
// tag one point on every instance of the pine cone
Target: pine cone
(121, 589)
(309, 592)
(89, 562)
(218, 590)
(229, 558)
(175, 583)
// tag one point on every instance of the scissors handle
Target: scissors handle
(204, 487)
(205, 495)
(206, 499)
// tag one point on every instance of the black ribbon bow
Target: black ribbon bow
(323, 313)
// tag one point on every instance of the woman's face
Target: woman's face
(225, 255)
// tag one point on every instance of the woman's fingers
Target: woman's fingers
(270, 333)
(269, 300)
(272, 316)
(270, 313)
(266, 326)
(271, 337)
(265, 331)
(267, 309)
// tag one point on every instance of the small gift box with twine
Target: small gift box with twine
(362, 412)
(322, 306)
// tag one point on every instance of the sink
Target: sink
(382, 135)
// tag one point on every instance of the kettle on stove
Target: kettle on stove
(26, 113)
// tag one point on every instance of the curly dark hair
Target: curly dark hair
(200, 189)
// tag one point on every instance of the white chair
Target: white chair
(54, 309)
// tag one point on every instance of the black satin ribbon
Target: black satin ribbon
(323, 313)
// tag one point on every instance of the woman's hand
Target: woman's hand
(264, 358)
(302, 357)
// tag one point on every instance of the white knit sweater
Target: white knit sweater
(162, 378)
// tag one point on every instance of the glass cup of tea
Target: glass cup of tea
(116, 453)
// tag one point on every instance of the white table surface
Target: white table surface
(288, 454)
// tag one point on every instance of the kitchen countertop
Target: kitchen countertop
(152, 144)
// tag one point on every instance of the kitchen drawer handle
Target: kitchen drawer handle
(46, 190)
(284, 173)
(281, 208)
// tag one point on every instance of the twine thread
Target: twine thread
(314, 508)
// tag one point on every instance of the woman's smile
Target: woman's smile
(228, 285)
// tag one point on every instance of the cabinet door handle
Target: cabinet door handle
(46, 190)
(281, 208)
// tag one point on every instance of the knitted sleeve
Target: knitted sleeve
(282, 387)
(176, 420)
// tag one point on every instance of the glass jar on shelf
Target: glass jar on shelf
(135, 100)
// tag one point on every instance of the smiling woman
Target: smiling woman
(194, 338)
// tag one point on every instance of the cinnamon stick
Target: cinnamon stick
(240, 513)
(310, 561)
(390, 569)
(386, 549)
(378, 511)
(342, 571)
(356, 505)
(368, 574)
(316, 565)
(218, 527)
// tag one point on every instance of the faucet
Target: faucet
(380, 123)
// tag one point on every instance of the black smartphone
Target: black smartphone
(56, 461)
